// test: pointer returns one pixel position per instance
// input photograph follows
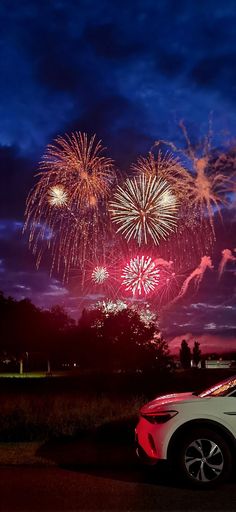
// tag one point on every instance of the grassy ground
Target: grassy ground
(19, 454)
(45, 409)
(27, 417)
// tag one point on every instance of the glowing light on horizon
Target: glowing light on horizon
(140, 275)
(100, 275)
(144, 208)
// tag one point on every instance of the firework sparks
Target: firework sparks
(109, 306)
(146, 315)
(193, 235)
(57, 196)
(196, 276)
(227, 255)
(162, 166)
(70, 200)
(77, 164)
(144, 208)
(207, 188)
(100, 275)
(140, 275)
(164, 263)
(170, 282)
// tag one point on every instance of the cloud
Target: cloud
(203, 305)
(210, 327)
(15, 180)
(213, 71)
(110, 41)
(61, 62)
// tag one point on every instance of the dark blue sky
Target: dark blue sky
(128, 71)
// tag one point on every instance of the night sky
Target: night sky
(128, 71)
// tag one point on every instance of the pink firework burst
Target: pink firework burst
(140, 275)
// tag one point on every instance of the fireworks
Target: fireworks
(99, 275)
(57, 196)
(146, 315)
(144, 208)
(70, 199)
(196, 276)
(71, 212)
(160, 166)
(140, 275)
(109, 306)
(77, 164)
(193, 235)
(207, 187)
(170, 282)
(227, 255)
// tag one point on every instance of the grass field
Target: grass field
(46, 408)
(29, 417)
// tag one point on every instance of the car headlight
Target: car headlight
(159, 417)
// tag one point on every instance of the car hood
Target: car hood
(168, 400)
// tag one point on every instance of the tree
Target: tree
(56, 326)
(26, 329)
(120, 340)
(185, 355)
(163, 358)
(196, 353)
(19, 327)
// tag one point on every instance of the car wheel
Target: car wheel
(204, 458)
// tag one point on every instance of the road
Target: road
(97, 473)
(132, 488)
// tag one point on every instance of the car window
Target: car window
(233, 394)
(224, 388)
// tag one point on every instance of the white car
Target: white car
(195, 432)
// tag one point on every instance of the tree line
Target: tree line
(118, 341)
(186, 356)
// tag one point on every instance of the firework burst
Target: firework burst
(160, 166)
(170, 283)
(110, 307)
(76, 163)
(140, 275)
(144, 208)
(70, 199)
(57, 196)
(206, 186)
(100, 275)
(196, 276)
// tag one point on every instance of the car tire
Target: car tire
(203, 458)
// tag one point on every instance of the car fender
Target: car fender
(210, 421)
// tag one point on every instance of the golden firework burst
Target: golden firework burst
(144, 208)
(70, 201)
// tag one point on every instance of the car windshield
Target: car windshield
(227, 387)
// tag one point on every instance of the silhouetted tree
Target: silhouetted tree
(196, 353)
(19, 327)
(56, 326)
(25, 329)
(120, 340)
(185, 355)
